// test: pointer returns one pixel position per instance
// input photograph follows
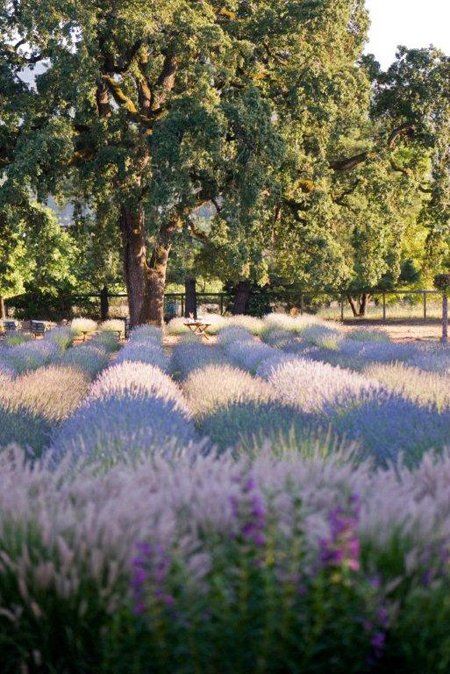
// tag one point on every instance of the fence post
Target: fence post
(104, 304)
(384, 306)
(302, 304)
(221, 304)
(342, 309)
(424, 306)
(182, 304)
(445, 318)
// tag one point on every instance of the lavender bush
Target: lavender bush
(80, 325)
(189, 356)
(248, 354)
(61, 336)
(90, 358)
(429, 388)
(233, 333)
(146, 351)
(107, 340)
(113, 325)
(213, 387)
(34, 403)
(388, 426)
(146, 333)
(32, 355)
(309, 385)
(120, 429)
(137, 380)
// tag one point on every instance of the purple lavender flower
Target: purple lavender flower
(342, 547)
(151, 567)
(249, 507)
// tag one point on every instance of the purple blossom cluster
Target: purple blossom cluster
(342, 548)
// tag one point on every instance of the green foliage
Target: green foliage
(242, 139)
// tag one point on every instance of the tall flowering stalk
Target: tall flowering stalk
(341, 549)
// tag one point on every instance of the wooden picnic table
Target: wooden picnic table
(199, 328)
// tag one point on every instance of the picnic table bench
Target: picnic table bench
(38, 328)
(198, 327)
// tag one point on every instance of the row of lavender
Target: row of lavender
(247, 390)
(43, 381)
(256, 561)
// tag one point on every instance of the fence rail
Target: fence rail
(329, 304)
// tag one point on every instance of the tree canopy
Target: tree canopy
(313, 164)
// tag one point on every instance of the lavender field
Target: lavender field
(274, 500)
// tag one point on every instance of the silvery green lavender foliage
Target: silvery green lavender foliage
(146, 333)
(235, 410)
(233, 333)
(145, 351)
(189, 356)
(389, 427)
(31, 355)
(61, 336)
(137, 380)
(213, 387)
(107, 340)
(291, 324)
(428, 388)
(35, 402)
(91, 358)
(309, 385)
(132, 409)
(113, 325)
(16, 338)
(80, 325)
(6, 369)
(254, 326)
(189, 523)
(247, 354)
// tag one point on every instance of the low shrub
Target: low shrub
(428, 388)
(81, 325)
(32, 355)
(147, 351)
(90, 358)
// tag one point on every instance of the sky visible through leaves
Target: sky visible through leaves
(412, 23)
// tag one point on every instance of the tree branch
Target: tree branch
(349, 163)
(166, 80)
(128, 105)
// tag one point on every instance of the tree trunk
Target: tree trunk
(359, 304)
(191, 297)
(157, 284)
(2, 308)
(135, 263)
(363, 300)
(351, 301)
(157, 272)
(241, 300)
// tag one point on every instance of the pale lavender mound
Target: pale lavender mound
(187, 357)
(122, 428)
(145, 352)
(86, 357)
(32, 355)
